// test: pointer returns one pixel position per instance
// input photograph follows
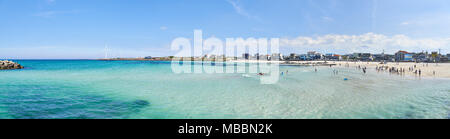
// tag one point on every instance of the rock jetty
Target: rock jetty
(5, 65)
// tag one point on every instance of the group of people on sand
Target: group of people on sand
(391, 69)
(398, 70)
(414, 69)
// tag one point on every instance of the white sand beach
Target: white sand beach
(439, 70)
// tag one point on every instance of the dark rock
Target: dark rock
(10, 65)
(141, 102)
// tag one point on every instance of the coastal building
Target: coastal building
(366, 57)
(400, 56)
(293, 56)
(277, 56)
(246, 56)
(333, 57)
(435, 57)
(361, 56)
(220, 57)
(421, 57)
(210, 56)
(337, 57)
(345, 57)
(378, 57)
(355, 56)
(403, 56)
(207, 56)
(315, 55)
(390, 57)
(265, 57)
(311, 53)
(148, 57)
(256, 56)
(444, 59)
(305, 57)
(383, 57)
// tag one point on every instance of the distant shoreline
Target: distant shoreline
(435, 70)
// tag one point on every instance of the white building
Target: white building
(277, 56)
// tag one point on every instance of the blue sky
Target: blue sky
(56, 29)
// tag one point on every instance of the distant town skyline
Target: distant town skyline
(80, 29)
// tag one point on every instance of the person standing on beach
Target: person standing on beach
(420, 72)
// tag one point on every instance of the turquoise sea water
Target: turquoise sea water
(137, 89)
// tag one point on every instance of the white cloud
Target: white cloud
(369, 42)
(405, 23)
(163, 28)
(240, 10)
(328, 19)
(47, 14)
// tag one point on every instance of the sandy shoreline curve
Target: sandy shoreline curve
(437, 70)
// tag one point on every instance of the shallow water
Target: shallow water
(137, 89)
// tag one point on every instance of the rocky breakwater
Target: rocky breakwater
(5, 65)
